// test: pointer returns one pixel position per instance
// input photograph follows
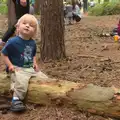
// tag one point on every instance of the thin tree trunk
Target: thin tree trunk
(85, 5)
(52, 30)
(11, 13)
(106, 0)
(37, 6)
(99, 1)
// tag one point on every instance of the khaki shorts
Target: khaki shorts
(20, 80)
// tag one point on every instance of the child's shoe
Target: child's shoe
(17, 106)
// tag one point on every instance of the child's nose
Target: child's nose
(27, 25)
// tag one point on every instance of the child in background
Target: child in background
(76, 12)
(32, 7)
(118, 28)
(116, 32)
(19, 55)
(68, 16)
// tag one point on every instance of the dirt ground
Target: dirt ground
(90, 59)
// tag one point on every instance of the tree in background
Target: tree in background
(37, 6)
(106, 0)
(11, 13)
(99, 1)
(85, 5)
(52, 30)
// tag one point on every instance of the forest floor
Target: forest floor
(90, 59)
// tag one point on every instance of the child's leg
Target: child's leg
(21, 84)
(13, 78)
(41, 75)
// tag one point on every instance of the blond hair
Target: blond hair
(30, 18)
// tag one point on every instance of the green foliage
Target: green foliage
(108, 8)
(3, 9)
(3, 1)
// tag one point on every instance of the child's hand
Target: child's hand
(23, 2)
(11, 68)
(36, 68)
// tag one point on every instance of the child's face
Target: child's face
(27, 27)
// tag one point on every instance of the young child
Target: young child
(118, 28)
(19, 55)
(69, 13)
(76, 12)
(21, 8)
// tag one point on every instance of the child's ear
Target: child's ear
(17, 29)
(16, 25)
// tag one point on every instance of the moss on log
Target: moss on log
(49, 91)
(91, 98)
(42, 91)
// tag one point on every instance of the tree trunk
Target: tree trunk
(90, 98)
(99, 1)
(37, 6)
(52, 30)
(106, 0)
(11, 13)
(85, 5)
(41, 91)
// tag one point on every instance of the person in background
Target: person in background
(32, 2)
(21, 8)
(76, 12)
(79, 3)
(64, 9)
(91, 3)
(118, 28)
(32, 7)
(19, 55)
(69, 16)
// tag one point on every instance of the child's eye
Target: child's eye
(32, 25)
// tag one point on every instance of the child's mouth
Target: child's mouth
(26, 29)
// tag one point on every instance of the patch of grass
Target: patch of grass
(108, 8)
(3, 9)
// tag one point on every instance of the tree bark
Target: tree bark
(99, 1)
(37, 6)
(85, 6)
(106, 0)
(11, 13)
(90, 98)
(41, 91)
(52, 30)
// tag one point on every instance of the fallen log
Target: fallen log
(42, 91)
(90, 98)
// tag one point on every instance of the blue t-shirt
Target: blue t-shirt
(20, 52)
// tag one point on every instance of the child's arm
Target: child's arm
(8, 63)
(35, 66)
